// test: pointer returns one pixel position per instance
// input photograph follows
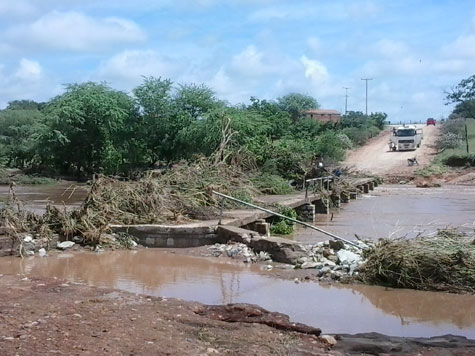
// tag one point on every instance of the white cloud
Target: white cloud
(29, 70)
(464, 46)
(26, 80)
(75, 31)
(128, 67)
(319, 11)
(249, 62)
(314, 70)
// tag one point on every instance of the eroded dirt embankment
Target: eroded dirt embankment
(51, 317)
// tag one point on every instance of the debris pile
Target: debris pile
(177, 194)
(443, 262)
(238, 250)
(332, 259)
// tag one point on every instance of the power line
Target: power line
(346, 99)
(366, 79)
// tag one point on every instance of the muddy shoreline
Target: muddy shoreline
(41, 316)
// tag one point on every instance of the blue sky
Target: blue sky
(413, 50)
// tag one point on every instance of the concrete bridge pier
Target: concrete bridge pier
(307, 212)
(371, 185)
(345, 197)
(322, 206)
(354, 194)
(260, 226)
(365, 188)
(336, 200)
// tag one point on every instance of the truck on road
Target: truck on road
(405, 138)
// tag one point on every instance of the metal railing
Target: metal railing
(335, 237)
(321, 180)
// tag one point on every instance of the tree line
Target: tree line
(93, 128)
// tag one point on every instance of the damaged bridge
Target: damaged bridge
(246, 225)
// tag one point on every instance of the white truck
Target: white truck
(405, 138)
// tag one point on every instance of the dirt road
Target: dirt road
(375, 158)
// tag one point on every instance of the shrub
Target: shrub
(345, 141)
(272, 184)
(284, 226)
(454, 126)
(460, 160)
(449, 140)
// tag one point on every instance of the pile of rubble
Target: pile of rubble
(28, 245)
(238, 250)
(333, 259)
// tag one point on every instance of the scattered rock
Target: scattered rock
(332, 260)
(42, 252)
(347, 257)
(108, 240)
(309, 264)
(238, 250)
(328, 339)
(65, 245)
(336, 245)
(28, 238)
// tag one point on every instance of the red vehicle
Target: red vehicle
(430, 121)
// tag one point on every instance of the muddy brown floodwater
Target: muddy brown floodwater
(334, 308)
(396, 211)
(35, 197)
(387, 211)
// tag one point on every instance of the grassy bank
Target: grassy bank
(454, 157)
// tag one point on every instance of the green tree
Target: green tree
(465, 109)
(295, 103)
(171, 118)
(463, 94)
(196, 100)
(19, 125)
(279, 121)
(86, 130)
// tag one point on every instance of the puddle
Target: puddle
(343, 309)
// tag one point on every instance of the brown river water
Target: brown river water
(334, 308)
(397, 211)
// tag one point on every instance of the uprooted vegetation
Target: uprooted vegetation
(179, 194)
(444, 262)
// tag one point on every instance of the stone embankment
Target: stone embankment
(332, 260)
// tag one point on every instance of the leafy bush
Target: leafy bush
(281, 228)
(454, 126)
(460, 160)
(345, 141)
(284, 226)
(449, 140)
(272, 184)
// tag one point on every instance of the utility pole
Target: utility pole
(366, 79)
(346, 99)
(466, 136)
